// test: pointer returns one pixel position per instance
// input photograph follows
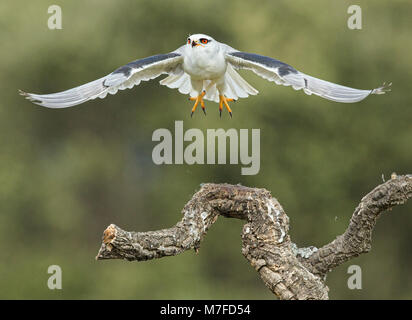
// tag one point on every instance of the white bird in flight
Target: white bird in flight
(205, 69)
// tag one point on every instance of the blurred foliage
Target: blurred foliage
(66, 174)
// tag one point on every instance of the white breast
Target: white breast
(204, 63)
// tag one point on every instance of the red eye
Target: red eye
(204, 41)
(188, 41)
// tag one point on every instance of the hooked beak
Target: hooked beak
(195, 44)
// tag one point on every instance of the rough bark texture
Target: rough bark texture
(288, 271)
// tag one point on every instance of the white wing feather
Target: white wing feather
(283, 74)
(122, 78)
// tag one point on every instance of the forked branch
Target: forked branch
(289, 272)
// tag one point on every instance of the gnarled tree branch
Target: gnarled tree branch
(357, 238)
(289, 272)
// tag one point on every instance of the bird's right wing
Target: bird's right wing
(122, 78)
(284, 74)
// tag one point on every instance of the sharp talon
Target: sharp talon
(224, 101)
(198, 99)
(204, 111)
(191, 114)
(220, 113)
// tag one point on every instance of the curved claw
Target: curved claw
(198, 99)
(224, 101)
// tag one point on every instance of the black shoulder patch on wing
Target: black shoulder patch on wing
(283, 68)
(126, 69)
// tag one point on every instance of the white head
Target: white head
(200, 40)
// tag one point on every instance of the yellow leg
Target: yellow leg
(198, 99)
(224, 101)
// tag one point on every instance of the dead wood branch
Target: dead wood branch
(289, 272)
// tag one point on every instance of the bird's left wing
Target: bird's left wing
(284, 74)
(122, 78)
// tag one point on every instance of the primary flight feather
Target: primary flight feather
(205, 69)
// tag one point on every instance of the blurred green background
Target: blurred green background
(66, 174)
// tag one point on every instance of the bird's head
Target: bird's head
(200, 40)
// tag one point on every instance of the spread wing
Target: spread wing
(283, 74)
(122, 78)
